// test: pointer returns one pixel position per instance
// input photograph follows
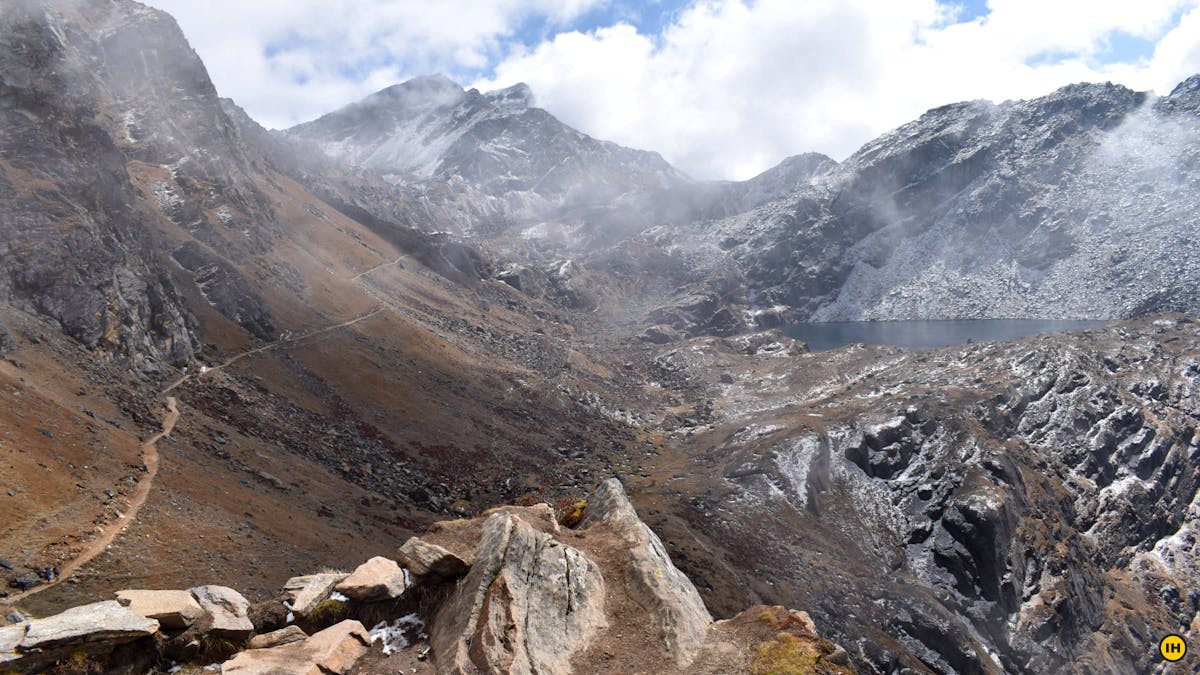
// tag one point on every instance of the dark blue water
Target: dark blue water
(923, 334)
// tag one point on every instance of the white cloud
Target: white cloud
(727, 89)
(288, 61)
(733, 87)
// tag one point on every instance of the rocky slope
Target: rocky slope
(510, 591)
(1001, 507)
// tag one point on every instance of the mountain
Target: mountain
(496, 146)
(497, 141)
(1074, 205)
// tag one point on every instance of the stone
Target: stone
(100, 621)
(308, 591)
(528, 604)
(333, 650)
(666, 594)
(226, 610)
(283, 636)
(430, 561)
(173, 610)
(26, 581)
(377, 579)
(94, 629)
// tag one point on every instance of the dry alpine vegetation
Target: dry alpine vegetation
(235, 360)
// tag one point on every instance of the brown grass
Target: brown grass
(787, 654)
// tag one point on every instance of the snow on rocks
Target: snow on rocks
(399, 634)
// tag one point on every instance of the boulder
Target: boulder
(173, 610)
(666, 594)
(96, 628)
(377, 579)
(430, 561)
(283, 636)
(226, 610)
(528, 604)
(104, 621)
(308, 591)
(530, 281)
(26, 581)
(333, 650)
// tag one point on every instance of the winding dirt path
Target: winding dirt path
(110, 532)
(150, 459)
(271, 345)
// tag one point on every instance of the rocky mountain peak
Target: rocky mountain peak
(1185, 97)
(518, 96)
(415, 96)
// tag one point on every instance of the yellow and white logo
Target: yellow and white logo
(1172, 647)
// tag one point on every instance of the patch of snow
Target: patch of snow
(755, 432)
(395, 635)
(794, 465)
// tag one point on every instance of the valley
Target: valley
(233, 353)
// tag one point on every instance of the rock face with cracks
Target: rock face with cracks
(527, 606)
(663, 591)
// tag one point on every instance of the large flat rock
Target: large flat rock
(93, 629)
(333, 650)
(104, 621)
(173, 610)
(377, 579)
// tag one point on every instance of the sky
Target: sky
(723, 89)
